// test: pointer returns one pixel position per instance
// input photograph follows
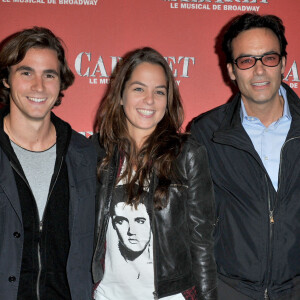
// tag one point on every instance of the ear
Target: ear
(121, 102)
(230, 71)
(4, 81)
(283, 65)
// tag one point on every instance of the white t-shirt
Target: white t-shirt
(129, 272)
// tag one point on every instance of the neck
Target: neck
(267, 113)
(33, 136)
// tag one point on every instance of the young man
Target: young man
(253, 144)
(47, 177)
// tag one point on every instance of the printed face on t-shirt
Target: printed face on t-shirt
(132, 226)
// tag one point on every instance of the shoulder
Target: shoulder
(203, 126)
(292, 97)
(99, 148)
(74, 140)
(191, 150)
(213, 116)
(81, 145)
(192, 162)
(80, 141)
(290, 92)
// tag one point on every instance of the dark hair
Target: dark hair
(249, 21)
(14, 48)
(160, 149)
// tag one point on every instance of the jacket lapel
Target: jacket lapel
(8, 184)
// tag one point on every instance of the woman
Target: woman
(155, 198)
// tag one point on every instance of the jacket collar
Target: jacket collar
(63, 133)
(231, 132)
(231, 129)
(294, 104)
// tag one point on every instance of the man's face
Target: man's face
(132, 226)
(259, 84)
(34, 84)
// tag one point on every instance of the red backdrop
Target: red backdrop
(98, 32)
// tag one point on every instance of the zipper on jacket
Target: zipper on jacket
(40, 233)
(40, 222)
(270, 245)
(272, 221)
(271, 217)
(266, 296)
(40, 263)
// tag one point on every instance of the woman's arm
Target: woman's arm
(201, 218)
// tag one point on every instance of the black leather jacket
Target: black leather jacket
(183, 229)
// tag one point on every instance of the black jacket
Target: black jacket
(66, 241)
(257, 238)
(187, 219)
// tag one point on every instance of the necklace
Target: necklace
(10, 134)
(13, 139)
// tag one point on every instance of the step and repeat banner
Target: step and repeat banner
(97, 33)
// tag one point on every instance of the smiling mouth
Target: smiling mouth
(37, 100)
(146, 112)
(260, 83)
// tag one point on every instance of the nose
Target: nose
(149, 98)
(38, 84)
(259, 68)
(130, 231)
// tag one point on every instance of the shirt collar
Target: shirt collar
(286, 109)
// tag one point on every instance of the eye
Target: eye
(120, 222)
(50, 75)
(162, 93)
(138, 89)
(25, 73)
(270, 58)
(140, 220)
(245, 60)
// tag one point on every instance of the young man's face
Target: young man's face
(259, 84)
(34, 84)
(132, 226)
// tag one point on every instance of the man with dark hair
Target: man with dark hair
(47, 177)
(133, 229)
(253, 145)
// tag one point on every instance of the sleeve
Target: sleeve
(201, 218)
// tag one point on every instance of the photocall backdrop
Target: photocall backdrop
(97, 33)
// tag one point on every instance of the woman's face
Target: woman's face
(145, 100)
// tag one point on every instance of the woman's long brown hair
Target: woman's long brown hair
(158, 152)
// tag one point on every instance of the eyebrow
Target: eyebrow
(142, 84)
(266, 53)
(48, 71)
(119, 218)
